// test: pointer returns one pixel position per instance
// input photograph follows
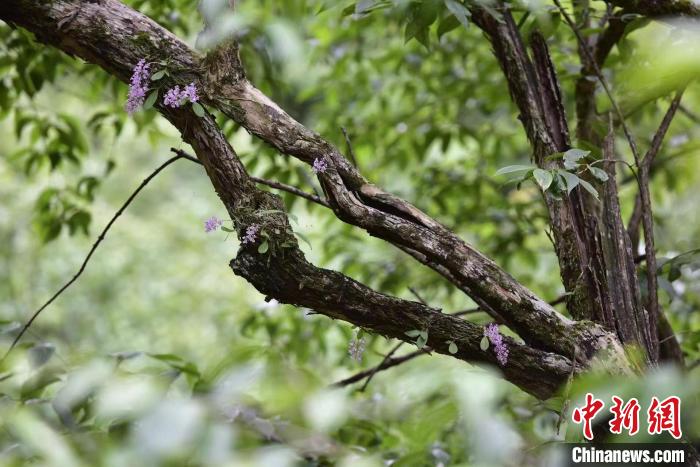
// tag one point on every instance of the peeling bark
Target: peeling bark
(115, 37)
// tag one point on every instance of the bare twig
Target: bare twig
(271, 183)
(374, 371)
(647, 162)
(351, 151)
(689, 113)
(293, 190)
(389, 363)
(599, 74)
(91, 252)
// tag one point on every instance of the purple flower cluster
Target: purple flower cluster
(175, 96)
(499, 347)
(356, 348)
(212, 224)
(320, 166)
(251, 234)
(138, 86)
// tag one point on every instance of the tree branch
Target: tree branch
(644, 197)
(647, 162)
(271, 183)
(385, 365)
(116, 37)
(655, 8)
(95, 245)
(106, 33)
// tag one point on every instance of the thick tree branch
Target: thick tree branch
(116, 37)
(535, 90)
(631, 321)
(283, 272)
(653, 8)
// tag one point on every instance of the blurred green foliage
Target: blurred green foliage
(159, 355)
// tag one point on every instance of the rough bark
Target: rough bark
(658, 7)
(115, 37)
(631, 319)
(574, 220)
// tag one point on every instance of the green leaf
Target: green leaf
(674, 273)
(589, 188)
(514, 168)
(264, 246)
(543, 178)
(571, 180)
(158, 75)
(227, 229)
(484, 344)
(304, 239)
(421, 341)
(413, 333)
(600, 174)
(452, 348)
(575, 154)
(446, 25)
(572, 156)
(198, 109)
(150, 100)
(459, 11)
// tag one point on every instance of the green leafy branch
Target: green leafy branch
(560, 181)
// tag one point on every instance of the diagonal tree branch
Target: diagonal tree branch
(95, 245)
(283, 273)
(105, 32)
(116, 37)
(636, 218)
(387, 363)
(271, 183)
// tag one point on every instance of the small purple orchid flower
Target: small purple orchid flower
(251, 234)
(138, 86)
(175, 96)
(212, 224)
(320, 166)
(499, 347)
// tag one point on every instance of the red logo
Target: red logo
(665, 416)
(586, 414)
(626, 416)
(662, 416)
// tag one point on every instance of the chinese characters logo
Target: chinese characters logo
(662, 416)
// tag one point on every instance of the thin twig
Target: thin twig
(391, 362)
(271, 183)
(351, 152)
(92, 250)
(376, 368)
(601, 78)
(647, 162)
(293, 190)
(689, 113)
(417, 295)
